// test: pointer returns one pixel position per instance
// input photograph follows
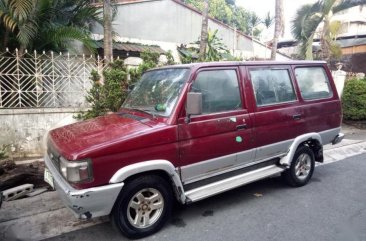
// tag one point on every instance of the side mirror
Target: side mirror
(194, 103)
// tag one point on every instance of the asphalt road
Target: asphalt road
(331, 207)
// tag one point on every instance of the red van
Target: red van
(188, 132)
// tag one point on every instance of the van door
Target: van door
(209, 143)
(277, 114)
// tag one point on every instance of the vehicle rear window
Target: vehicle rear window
(272, 86)
(313, 83)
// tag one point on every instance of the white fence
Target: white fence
(34, 80)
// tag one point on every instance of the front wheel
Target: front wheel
(301, 168)
(143, 206)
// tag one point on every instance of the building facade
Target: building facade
(171, 23)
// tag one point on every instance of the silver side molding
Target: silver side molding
(231, 183)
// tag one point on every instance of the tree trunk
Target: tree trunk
(204, 31)
(107, 17)
(279, 27)
(325, 40)
(6, 39)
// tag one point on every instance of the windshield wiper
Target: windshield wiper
(143, 111)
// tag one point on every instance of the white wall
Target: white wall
(169, 24)
(24, 129)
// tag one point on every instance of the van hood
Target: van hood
(75, 140)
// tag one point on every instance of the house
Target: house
(351, 38)
(169, 24)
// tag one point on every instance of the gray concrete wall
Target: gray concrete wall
(24, 129)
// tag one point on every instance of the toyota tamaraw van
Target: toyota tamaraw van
(188, 132)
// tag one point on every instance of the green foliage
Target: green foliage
(108, 96)
(216, 48)
(354, 100)
(114, 90)
(47, 24)
(3, 151)
(188, 59)
(150, 60)
(170, 58)
(268, 20)
(336, 51)
(228, 12)
(220, 10)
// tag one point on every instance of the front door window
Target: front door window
(220, 90)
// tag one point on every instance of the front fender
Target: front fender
(153, 165)
(286, 160)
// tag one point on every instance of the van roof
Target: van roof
(244, 63)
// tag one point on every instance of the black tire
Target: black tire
(123, 211)
(297, 176)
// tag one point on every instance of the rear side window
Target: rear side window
(272, 86)
(220, 90)
(313, 83)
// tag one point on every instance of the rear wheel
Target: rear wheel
(143, 206)
(301, 168)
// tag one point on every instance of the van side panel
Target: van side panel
(276, 125)
(320, 114)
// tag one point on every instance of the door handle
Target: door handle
(296, 117)
(241, 127)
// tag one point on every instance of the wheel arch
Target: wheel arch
(163, 168)
(313, 140)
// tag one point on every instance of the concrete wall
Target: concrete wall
(24, 129)
(168, 22)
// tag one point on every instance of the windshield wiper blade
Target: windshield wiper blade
(143, 111)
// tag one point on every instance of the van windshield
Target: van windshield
(157, 92)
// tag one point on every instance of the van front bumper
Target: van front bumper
(85, 203)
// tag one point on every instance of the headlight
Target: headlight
(77, 171)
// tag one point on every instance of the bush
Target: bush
(107, 96)
(150, 60)
(354, 100)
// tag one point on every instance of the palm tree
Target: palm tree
(308, 19)
(268, 20)
(279, 27)
(254, 21)
(15, 19)
(47, 24)
(204, 30)
(107, 40)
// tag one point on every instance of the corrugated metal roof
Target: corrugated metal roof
(351, 42)
(134, 47)
(188, 53)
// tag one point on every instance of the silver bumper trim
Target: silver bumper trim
(338, 138)
(85, 203)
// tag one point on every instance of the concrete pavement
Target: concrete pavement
(45, 216)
